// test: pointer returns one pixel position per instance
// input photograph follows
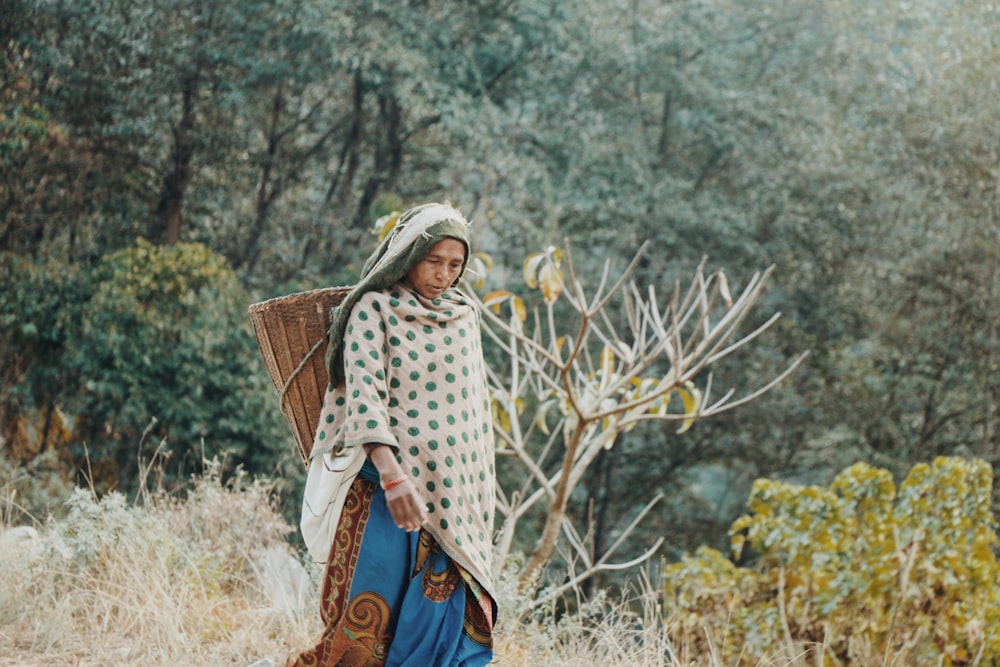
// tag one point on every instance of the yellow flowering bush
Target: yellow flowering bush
(165, 355)
(852, 574)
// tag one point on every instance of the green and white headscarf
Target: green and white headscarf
(416, 232)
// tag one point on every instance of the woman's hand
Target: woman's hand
(408, 508)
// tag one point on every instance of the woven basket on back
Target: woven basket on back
(291, 332)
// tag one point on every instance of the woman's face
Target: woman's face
(439, 269)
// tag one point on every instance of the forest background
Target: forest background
(165, 164)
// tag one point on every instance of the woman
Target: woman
(409, 578)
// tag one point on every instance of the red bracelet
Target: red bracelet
(396, 482)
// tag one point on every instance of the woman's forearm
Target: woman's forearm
(385, 461)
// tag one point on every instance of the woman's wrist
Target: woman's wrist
(395, 481)
(385, 462)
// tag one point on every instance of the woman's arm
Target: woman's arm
(408, 508)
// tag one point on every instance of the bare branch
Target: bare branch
(601, 381)
(602, 565)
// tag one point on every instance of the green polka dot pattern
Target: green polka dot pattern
(415, 380)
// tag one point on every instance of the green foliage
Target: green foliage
(23, 122)
(165, 346)
(854, 571)
(40, 303)
(152, 333)
(21, 126)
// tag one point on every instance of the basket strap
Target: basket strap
(298, 369)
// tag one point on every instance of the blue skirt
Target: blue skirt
(393, 598)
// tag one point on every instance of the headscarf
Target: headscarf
(416, 232)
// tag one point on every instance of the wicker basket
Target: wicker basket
(291, 332)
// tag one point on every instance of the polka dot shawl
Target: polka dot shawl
(415, 380)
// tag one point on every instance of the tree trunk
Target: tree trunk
(175, 183)
(347, 167)
(990, 450)
(349, 157)
(663, 145)
(557, 510)
(388, 154)
(266, 191)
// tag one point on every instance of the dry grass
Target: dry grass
(170, 582)
(163, 582)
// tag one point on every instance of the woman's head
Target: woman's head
(416, 232)
(440, 268)
(424, 236)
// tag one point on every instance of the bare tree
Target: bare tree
(591, 385)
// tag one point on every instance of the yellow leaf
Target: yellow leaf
(691, 396)
(541, 269)
(494, 299)
(520, 310)
(385, 224)
(485, 258)
(644, 386)
(479, 265)
(607, 424)
(551, 282)
(562, 340)
(530, 269)
(500, 417)
(541, 414)
(736, 543)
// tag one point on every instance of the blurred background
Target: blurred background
(164, 164)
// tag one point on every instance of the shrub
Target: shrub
(166, 352)
(855, 572)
